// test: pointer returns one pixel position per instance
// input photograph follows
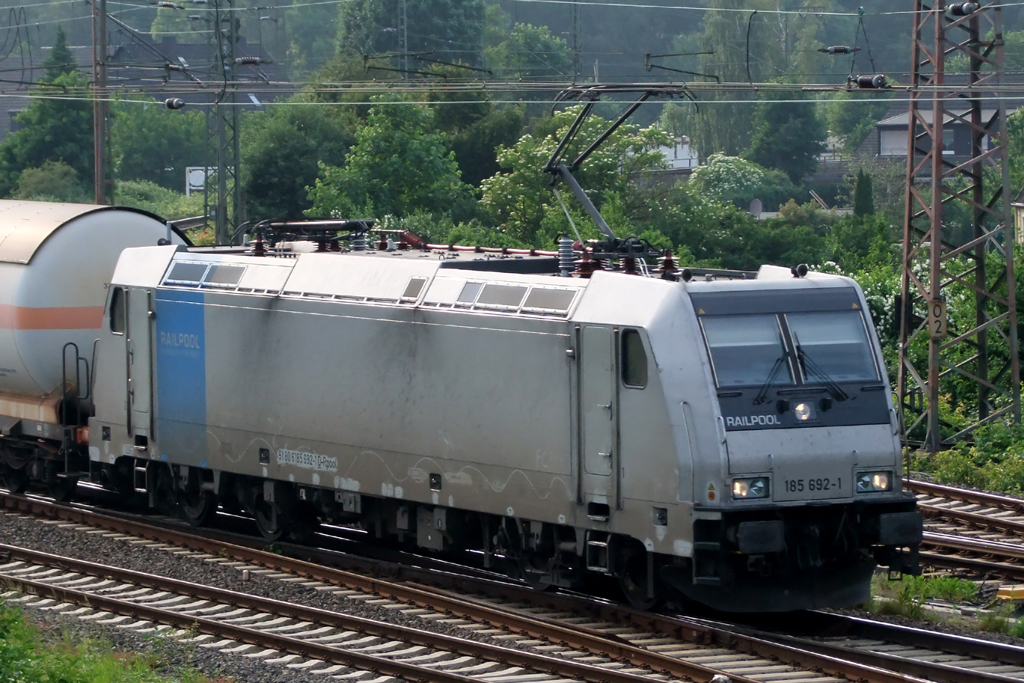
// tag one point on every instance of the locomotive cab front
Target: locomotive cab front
(808, 497)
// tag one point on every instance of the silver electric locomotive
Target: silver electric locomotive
(730, 440)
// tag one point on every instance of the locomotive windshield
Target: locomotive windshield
(747, 349)
(822, 347)
(832, 345)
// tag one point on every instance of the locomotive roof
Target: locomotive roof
(389, 279)
(25, 225)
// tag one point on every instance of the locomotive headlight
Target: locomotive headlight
(750, 488)
(804, 411)
(871, 482)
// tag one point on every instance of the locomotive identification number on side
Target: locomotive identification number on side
(824, 484)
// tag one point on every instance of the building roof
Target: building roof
(1019, 199)
(903, 119)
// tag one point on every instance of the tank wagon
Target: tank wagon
(734, 441)
(55, 265)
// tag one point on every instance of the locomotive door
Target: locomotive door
(139, 349)
(598, 412)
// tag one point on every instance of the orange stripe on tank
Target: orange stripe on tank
(55, 318)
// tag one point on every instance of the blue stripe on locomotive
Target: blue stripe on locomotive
(181, 375)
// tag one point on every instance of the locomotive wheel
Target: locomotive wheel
(534, 571)
(270, 520)
(63, 489)
(303, 526)
(633, 581)
(197, 507)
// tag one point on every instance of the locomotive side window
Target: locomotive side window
(222, 275)
(188, 274)
(833, 345)
(746, 350)
(469, 292)
(504, 296)
(634, 360)
(117, 311)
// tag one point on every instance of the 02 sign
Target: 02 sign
(937, 323)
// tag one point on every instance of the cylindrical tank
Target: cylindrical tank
(56, 261)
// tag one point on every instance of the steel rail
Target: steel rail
(974, 519)
(472, 648)
(726, 635)
(930, 671)
(604, 644)
(241, 634)
(1010, 551)
(965, 495)
(983, 567)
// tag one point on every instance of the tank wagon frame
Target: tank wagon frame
(569, 427)
(55, 265)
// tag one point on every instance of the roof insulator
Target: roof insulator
(873, 81)
(963, 9)
(839, 50)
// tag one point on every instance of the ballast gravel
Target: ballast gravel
(172, 656)
(61, 539)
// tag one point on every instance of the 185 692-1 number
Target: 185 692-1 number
(801, 485)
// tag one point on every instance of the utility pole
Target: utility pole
(102, 177)
(977, 268)
(403, 37)
(577, 41)
(222, 129)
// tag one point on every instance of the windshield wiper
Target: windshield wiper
(763, 393)
(815, 369)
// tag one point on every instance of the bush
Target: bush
(148, 196)
(738, 181)
(54, 181)
(993, 462)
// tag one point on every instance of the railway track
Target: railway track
(971, 530)
(573, 627)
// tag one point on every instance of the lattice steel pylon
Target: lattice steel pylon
(222, 129)
(942, 261)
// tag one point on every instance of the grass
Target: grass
(907, 598)
(922, 588)
(27, 655)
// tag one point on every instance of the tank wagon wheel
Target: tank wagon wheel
(634, 580)
(61, 490)
(16, 480)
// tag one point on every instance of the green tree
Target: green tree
(175, 23)
(281, 152)
(1015, 149)
(518, 198)
(312, 36)
(397, 167)
(61, 60)
(851, 116)
(789, 136)
(56, 126)
(726, 127)
(863, 197)
(474, 128)
(450, 29)
(530, 52)
(151, 142)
